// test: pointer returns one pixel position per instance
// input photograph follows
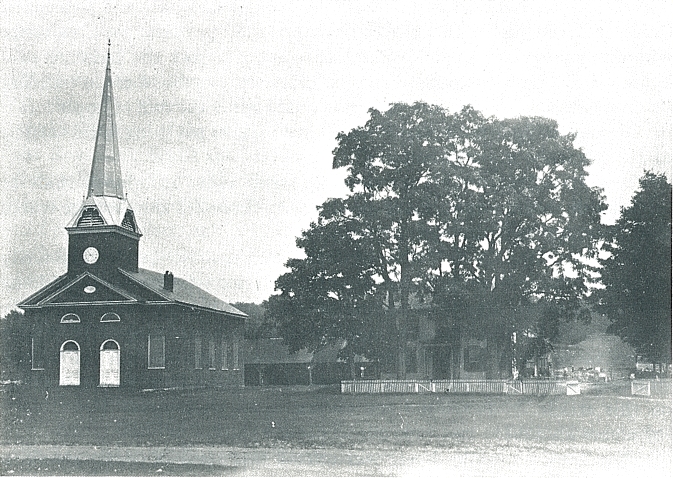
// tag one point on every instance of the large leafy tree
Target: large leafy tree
(481, 215)
(326, 297)
(395, 164)
(637, 273)
(370, 245)
(523, 233)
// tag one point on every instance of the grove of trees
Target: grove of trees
(486, 226)
(477, 218)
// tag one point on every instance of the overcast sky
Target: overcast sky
(227, 112)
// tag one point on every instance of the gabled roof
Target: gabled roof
(83, 289)
(143, 286)
(183, 292)
(87, 288)
(54, 285)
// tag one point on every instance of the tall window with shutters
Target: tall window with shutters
(197, 352)
(225, 348)
(37, 351)
(212, 360)
(156, 351)
(234, 354)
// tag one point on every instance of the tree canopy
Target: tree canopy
(477, 216)
(637, 273)
(13, 350)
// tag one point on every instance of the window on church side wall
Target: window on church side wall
(156, 351)
(70, 319)
(197, 353)
(234, 354)
(225, 347)
(37, 352)
(211, 354)
(110, 317)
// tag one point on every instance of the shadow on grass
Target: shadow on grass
(64, 467)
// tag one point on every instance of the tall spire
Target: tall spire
(106, 174)
(105, 205)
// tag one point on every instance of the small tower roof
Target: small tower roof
(106, 173)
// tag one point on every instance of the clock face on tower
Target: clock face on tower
(90, 255)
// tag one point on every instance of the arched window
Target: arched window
(110, 364)
(69, 366)
(70, 346)
(110, 317)
(109, 345)
(70, 319)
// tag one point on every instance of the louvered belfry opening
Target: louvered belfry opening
(90, 217)
(129, 221)
(105, 220)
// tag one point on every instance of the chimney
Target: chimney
(168, 281)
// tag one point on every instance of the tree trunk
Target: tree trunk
(401, 345)
(402, 317)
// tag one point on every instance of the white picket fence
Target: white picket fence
(502, 387)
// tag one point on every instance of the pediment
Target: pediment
(87, 289)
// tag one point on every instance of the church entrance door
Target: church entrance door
(69, 366)
(109, 364)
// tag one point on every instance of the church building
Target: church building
(108, 323)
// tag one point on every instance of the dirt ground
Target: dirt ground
(334, 462)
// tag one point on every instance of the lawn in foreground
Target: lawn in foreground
(324, 418)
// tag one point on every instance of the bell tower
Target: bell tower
(104, 234)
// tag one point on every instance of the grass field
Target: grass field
(606, 428)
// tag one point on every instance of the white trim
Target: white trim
(198, 353)
(108, 352)
(63, 321)
(104, 228)
(23, 305)
(78, 279)
(77, 304)
(70, 340)
(32, 355)
(224, 352)
(118, 319)
(109, 340)
(212, 354)
(235, 346)
(65, 353)
(163, 357)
